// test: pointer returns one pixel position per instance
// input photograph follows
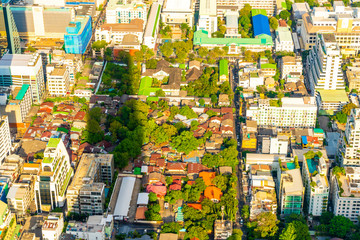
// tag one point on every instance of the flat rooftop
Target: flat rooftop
(15, 60)
(178, 5)
(333, 95)
(58, 71)
(207, 7)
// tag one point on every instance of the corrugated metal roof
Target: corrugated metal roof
(261, 25)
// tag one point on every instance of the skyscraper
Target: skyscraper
(9, 36)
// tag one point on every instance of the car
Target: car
(241, 221)
(166, 205)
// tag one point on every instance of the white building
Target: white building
(275, 145)
(287, 112)
(176, 12)
(97, 227)
(19, 69)
(125, 11)
(152, 27)
(5, 139)
(54, 177)
(53, 226)
(207, 16)
(19, 198)
(268, 5)
(317, 188)
(291, 68)
(114, 33)
(265, 159)
(225, 6)
(342, 21)
(290, 191)
(350, 141)
(232, 24)
(58, 81)
(283, 40)
(345, 202)
(299, 9)
(324, 65)
(121, 211)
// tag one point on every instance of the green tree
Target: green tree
(221, 182)
(236, 235)
(152, 197)
(284, 14)
(185, 142)
(98, 45)
(171, 227)
(168, 180)
(203, 52)
(301, 230)
(151, 64)
(266, 225)
(202, 102)
(274, 24)
(341, 117)
(245, 212)
(167, 49)
(288, 233)
(347, 108)
(160, 93)
(214, 99)
(188, 112)
(339, 226)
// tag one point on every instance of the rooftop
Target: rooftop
(333, 95)
(207, 7)
(53, 143)
(292, 182)
(177, 5)
(261, 25)
(58, 71)
(223, 67)
(20, 95)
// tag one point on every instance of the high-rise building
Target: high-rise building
(86, 193)
(287, 112)
(345, 189)
(78, 35)
(54, 177)
(124, 11)
(9, 36)
(350, 143)
(58, 81)
(317, 188)
(20, 69)
(5, 139)
(290, 190)
(18, 107)
(342, 21)
(207, 16)
(324, 65)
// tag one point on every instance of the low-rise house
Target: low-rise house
(53, 226)
(224, 100)
(176, 167)
(207, 177)
(213, 193)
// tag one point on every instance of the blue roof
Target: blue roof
(261, 25)
(304, 140)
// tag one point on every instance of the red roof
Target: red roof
(195, 205)
(196, 168)
(47, 105)
(226, 110)
(176, 166)
(191, 183)
(282, 23)
(175, 187)
(80, 116)
(227, 116)
(213, 193)
(138, 163)
(46, 134)
(226, 129)
(104, 144)
(153, 169)
(155, 156)
(160, 162)
(213, 119)
(159, 190)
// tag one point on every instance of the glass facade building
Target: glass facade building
(78, 35)
(9, 36)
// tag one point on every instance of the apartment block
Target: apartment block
(58, 81)
(18, 107)
(19, 198)
(207, 16)
(287, 112)
(342, 21)
(345, 189)
(262, 194)
(291, 68)
(7, 222)
(176, 12)
(249, 136)
(317, 188)
(275, 145)
(54, 176)
(224, 7)
(53, 226)
(20, 69)
(86, 193)
(125, 11)
(5, 138)
(283, 40)
(290, 190)
(268, 5)
(350, 140)
(324, 65)
(353, 78)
